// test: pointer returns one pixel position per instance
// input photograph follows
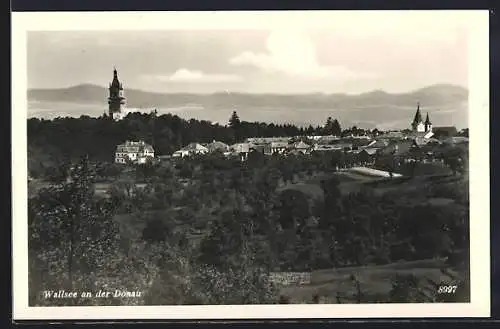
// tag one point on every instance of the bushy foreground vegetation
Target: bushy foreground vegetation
(209, 230)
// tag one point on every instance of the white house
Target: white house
(180, 153)
(301, 147)
(276, 148)
(137, 152)
(191, 149)
(241, 149)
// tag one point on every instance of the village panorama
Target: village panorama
(149, 209)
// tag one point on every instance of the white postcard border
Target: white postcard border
(478, 44)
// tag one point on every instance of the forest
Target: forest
(210, 229)
(64, 139)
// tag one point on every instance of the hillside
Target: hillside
(430, 96)
(447, 105)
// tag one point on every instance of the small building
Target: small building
(136, 152)
(367, 155)
(180, 153)
(346, 146)
(217, 146)
(398, 149)
(190, 150)
(420, 134)
(421, 141)
(445, 132)
(241, 149)
(294, 152)
(276, 148)
(301, 147)
(259, 148)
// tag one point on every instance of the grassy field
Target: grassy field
(336, 285)
(349, 182)
(415, 187)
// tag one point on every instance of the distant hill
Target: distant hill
(368, 109)
(432, 96)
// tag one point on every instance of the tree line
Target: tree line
(62, 139)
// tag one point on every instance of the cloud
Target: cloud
(293, 53)
(439, 27)
(195, 76)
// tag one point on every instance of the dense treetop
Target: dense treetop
(98, 137)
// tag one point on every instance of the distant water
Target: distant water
(383, 117)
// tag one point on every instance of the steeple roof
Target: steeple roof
(116, 83)
(427, 120)
(418, 115)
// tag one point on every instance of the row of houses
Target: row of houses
(411, 149)
(243, 149)
(272, 145)
(301, 145)
(365, 147)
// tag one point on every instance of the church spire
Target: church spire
(427, 120)
(418, 115)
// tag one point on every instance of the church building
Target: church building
(116, 99)
(418, 125)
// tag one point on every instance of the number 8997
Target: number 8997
(447, 289)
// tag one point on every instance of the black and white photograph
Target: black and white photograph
(229, 159)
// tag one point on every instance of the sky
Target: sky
(393, 53)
